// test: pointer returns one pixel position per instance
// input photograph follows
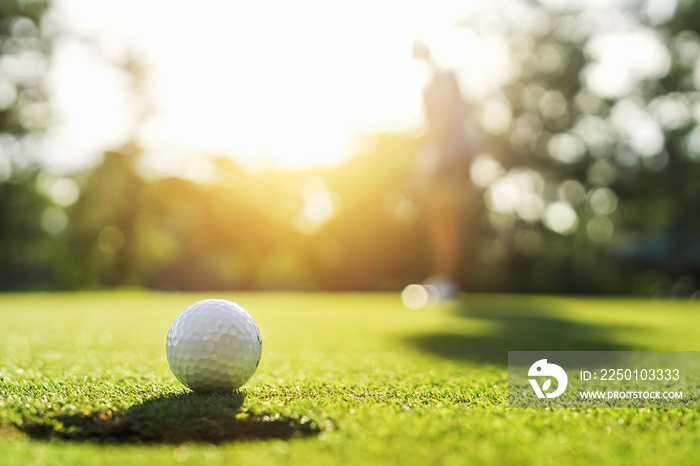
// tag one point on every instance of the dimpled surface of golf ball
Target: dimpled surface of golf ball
(214, 346)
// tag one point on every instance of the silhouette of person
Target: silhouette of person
(443, 174)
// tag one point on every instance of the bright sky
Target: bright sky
(292, 83)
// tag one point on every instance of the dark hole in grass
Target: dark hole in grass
(212, 418)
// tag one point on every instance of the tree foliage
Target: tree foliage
(584, 190)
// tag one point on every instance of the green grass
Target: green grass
(344, 378)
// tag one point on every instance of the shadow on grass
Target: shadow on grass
(176, 419)
(523, 325)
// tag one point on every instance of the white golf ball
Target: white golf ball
(213, 346)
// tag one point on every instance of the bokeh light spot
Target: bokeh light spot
(550, 58)
(54, 220)
(571, 191)
(692, 144)
(603, 201)
(62, 191)
(671, 111)
(553, 105)
(566, 148)
(320, 205)
(496, 116)
(530, 207)
(561, 218)
(8, 95)
(601, 173)
(623, 59)
(485, 170)
(401, 208)
(110, 239)
(415, 296)
(600, 229)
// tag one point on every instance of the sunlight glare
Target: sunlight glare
(296, 84)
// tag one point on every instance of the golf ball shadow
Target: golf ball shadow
(175, 419)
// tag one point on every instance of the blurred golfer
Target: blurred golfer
(442, 174)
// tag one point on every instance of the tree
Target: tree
(597, 182)
(25, 247)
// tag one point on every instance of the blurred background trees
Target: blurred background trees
(590, 184)
(607, 162)
(26, 252)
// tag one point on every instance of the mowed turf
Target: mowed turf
(344, 378)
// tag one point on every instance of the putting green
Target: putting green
(344, 378)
